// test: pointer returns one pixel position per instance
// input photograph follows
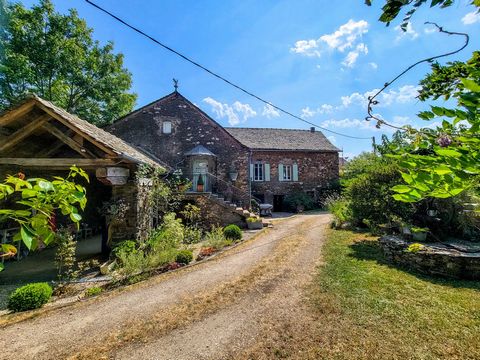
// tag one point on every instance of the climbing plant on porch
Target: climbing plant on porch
(32, 202)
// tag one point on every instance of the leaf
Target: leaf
(439, 111)
(45, 185)
(27, 236)
(442, 170)
(75, 217)
(449, 153)
(401, 189)
(471, 85)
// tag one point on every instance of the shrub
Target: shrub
(216, 239)
(93, 291)
(192, 235)
(232, 232)
(169, 234)
(340, 209)
(184, 257)
(65, 255)
(253, 220)
(131, 262)
(297, 200)
(126, 246)
(157, 258)
(28, 297)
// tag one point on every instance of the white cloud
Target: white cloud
(352, 56)
(307, 113)
(323, 109)
(332, 139)
(346, 123)
(409, 32)
(402, 95)
(236, 113)
(346, 37)
(270, 112)
(471, 18)
(373, 65)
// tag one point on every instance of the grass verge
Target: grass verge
(367, 309)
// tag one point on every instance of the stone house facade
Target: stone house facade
(235, 162)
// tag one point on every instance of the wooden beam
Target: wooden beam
(77, 130)
(68, 141)
(63, 163)
(23, 132)
(14, 114)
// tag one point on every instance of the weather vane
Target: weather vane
(175, 84)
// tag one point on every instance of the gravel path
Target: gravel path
(217, 309)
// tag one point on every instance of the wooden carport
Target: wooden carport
(39, 138)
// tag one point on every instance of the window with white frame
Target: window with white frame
(287, 172)
(258, 172)
(167, 127)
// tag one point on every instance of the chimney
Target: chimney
(312, 129)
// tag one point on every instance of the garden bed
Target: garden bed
(444, 259)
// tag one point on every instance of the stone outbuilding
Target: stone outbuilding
(236, 164)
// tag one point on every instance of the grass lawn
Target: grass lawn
(366, 308)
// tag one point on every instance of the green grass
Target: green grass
(370, 309)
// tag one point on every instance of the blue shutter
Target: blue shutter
(295, 172)
(280, 172)
(267, 172)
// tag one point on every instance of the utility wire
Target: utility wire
(238, 87)
(371, 99)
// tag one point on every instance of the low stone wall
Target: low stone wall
(434, 259)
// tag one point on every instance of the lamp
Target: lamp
(233, 174)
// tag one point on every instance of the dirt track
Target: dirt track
(224, 308)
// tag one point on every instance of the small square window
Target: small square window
(167, 127)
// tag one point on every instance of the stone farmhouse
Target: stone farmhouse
(235, 164)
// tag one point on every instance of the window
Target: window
(287, 173)
(258, 172)
(167, 127)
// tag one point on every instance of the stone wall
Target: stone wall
(316, 170)
(434, 259)
(190, 127)
(214, 214)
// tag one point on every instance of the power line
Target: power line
(238, 87)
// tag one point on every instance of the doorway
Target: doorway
(200, 179)
(278, 202)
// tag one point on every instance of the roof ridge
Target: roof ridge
(266, 128)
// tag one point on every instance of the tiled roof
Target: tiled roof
(282, 139)
(108, 140)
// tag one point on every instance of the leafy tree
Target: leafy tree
(392, 8)
(35, 200)
(54, 56)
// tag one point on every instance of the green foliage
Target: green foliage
(299, 200)
(126, 246)
(392, 8)
(192, 235)
(415, 247)
(443, 163)
(253, 220)
(54, 56)
(39, 198)
(93, 291)
(65, 255)
(216, 239)
(232, 232)
(184, 257)
(131, 263)
(369, 194)
(169, 234)
(28, 297)
(339, 207)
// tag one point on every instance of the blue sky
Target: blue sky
(315, 58)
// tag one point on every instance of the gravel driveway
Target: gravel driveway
(218, 309)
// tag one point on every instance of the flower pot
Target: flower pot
(419, 236)
(257, 225)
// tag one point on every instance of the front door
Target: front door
(278, 202)
(200, 176)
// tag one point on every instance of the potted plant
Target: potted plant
(200, 183)
(254, 223)
(418, 233)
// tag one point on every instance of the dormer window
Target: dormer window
(167, 127)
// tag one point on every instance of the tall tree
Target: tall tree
(54, 56)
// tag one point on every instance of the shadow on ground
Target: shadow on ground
(370, 250)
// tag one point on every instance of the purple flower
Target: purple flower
(444, 140)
